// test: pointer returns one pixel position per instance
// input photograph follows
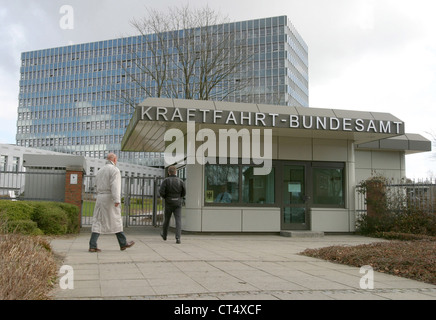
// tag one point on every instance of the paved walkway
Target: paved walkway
(224, 267)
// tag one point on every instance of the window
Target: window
(222, 184)
(15, 164)
(257, 188)
(238, 186)
(3, 163)
(328, 186)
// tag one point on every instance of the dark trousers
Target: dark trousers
(94, 237)
(169, 210)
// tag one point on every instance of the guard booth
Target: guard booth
(267, 168)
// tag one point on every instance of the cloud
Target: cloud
(339, 38)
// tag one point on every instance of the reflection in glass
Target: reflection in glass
(293, 185)
(257, 188)
(328, 186)
(294, 215)
(222, 184)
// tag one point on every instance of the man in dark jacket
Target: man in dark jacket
(172, 190)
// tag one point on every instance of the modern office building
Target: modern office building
(70, 97)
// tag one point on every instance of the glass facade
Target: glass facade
(257, 189)
(70, 98)
(222, 184)
(293, 185)
(328, 187)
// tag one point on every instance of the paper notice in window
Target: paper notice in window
(294, 187)
(209, 196)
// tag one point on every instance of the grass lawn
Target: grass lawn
(135, 207)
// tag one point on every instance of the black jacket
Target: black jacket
(173, 190)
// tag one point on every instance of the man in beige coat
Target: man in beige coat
(107, 212)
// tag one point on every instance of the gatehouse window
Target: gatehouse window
(237, 185)
(257, 188)
(222, 183)
(328, 185)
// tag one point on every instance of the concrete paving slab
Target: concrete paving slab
(221, 267)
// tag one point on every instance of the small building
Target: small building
(13, 167)
(267, 168)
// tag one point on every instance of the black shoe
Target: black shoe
(178, 241)
(163, 237)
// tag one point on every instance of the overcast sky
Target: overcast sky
(369, 55)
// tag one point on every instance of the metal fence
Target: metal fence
(41, 185)
(140, 203)
(360, 202)
(402, 196)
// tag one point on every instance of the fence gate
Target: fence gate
(140, 202)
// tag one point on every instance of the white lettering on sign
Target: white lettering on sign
(260, 119)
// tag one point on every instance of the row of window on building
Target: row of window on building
(266, 57)
(74, 126)
(71, 141)
(68, 97)
(9, 163)
(107, 85)
(242, 30)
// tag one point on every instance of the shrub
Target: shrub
(34, 218)
(26, 227)
(16, 210)
(392, 213)
(412, 222)
(51, 219)
(15, 216)
(72, 213)
(415, 222)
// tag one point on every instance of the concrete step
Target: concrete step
(301, 234)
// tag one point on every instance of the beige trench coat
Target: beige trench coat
(107, 218)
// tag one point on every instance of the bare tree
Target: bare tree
(152, 59)
(188, 54)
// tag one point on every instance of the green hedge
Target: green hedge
(23, 227)
(411, 222)
(32, 217)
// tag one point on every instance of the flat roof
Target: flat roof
(154, 116)
(409, 142)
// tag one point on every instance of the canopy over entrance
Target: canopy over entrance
(154, 116)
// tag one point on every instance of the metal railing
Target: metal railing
(140, 203)
(402, 196)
